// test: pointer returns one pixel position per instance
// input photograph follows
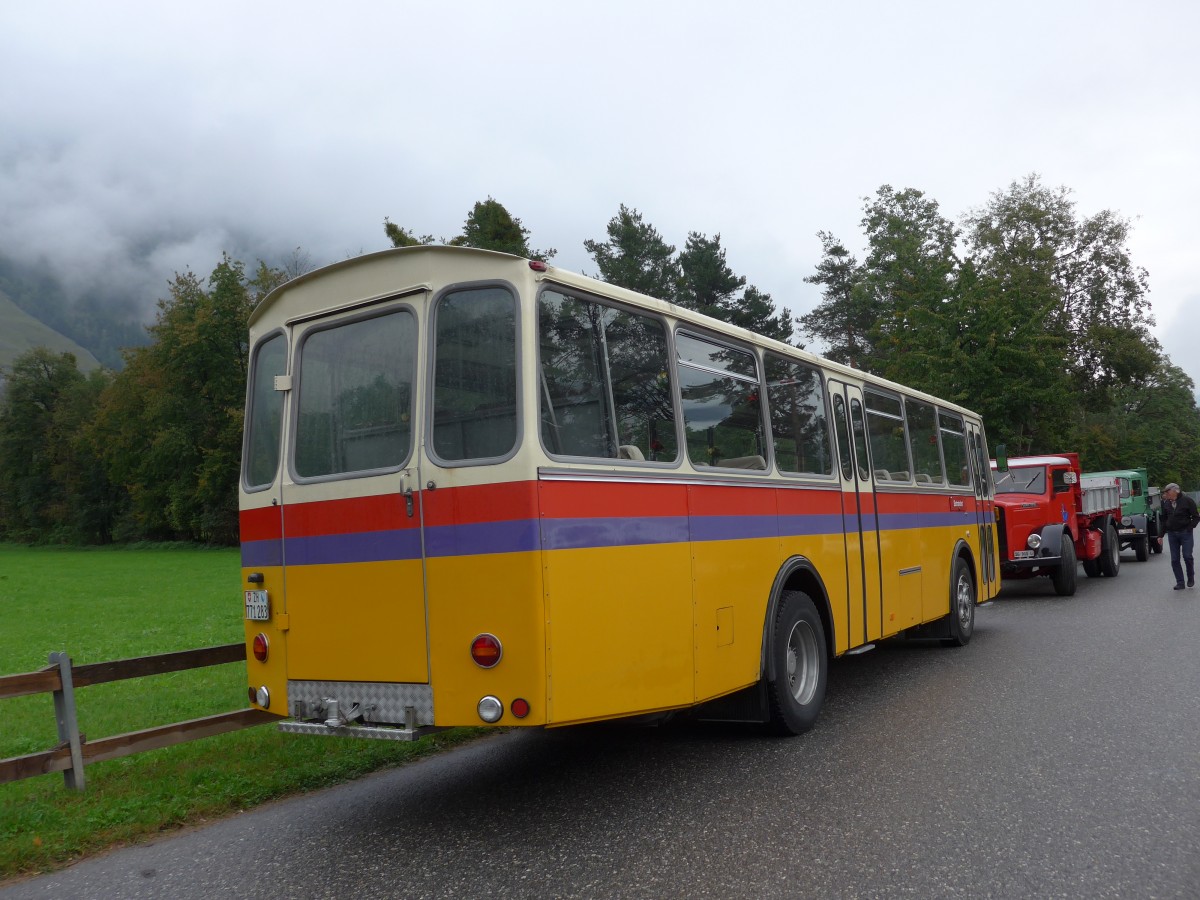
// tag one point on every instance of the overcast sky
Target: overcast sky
(139, 139)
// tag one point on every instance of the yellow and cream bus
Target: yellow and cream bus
(478, 489)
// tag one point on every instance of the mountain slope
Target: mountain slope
(21, 332)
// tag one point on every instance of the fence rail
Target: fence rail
(73, 752)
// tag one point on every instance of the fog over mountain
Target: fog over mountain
(142, 139)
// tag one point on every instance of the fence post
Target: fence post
(68, 724)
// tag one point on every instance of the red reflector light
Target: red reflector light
(260, 647)
(486, 650)
(520, 708)
(253, 695)
(538, 265)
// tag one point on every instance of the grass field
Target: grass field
(107, 604)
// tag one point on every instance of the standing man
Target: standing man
(1180, 515)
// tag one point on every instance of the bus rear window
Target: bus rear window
(475, 375)
(355, 398)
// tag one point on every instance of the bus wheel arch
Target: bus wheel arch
(797, 649)
(797, 574)
(963, 597)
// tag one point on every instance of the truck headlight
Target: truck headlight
(1033, 541)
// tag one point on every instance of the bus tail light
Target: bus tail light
(486, 650)
(490, 709)
(520, 708)
(261, 647)
(261, 696)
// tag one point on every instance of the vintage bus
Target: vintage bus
(478, 489)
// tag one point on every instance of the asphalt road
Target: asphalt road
(1058, 755)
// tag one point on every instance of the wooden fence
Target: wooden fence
(74, 751)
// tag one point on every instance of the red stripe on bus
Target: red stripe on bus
(601, 499)
(262, 524)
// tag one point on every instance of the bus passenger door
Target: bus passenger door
(860, 518)
(985, 514)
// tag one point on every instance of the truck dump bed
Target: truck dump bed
(1101, 493)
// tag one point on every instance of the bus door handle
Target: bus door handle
(408, 501)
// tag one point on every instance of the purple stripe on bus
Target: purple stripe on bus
(260, 554)
(576, 534)
(731, 528)
(907, 521)
(805, 526)
(363, 546)
(565, 534)
(516, 536)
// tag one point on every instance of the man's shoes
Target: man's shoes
(1179, 587)
(1191, 582)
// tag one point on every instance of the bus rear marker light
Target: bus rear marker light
(490, 709)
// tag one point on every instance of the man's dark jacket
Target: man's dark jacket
(1183, 514)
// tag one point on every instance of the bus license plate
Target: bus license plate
(1017, 554)
(258, 607)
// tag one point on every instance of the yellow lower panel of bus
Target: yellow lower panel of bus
(357, 622)
(498, 594)
(732, 585)
(620, 635)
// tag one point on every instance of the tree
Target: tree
(1153, 422)
(1092, 294)
(636, 257)
(402, 237)
(489, 226)
(845, 318)
(707, 284)
(891, 315)
(51, 484)
(172, 421)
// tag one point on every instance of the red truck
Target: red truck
(1048, 516)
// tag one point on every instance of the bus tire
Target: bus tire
(1110, 552)
(801, 665)
(962, 605)
(1064, 576)
(1141, 546)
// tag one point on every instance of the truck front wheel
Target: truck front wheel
(1141, 546)
(1110, 552)
(1064, 576)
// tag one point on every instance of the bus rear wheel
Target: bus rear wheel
(800, 664)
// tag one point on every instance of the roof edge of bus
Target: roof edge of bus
(616, 292)
(361, 258)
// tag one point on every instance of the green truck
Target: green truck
(1139, 527)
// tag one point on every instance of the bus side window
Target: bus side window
(722, 415)
(604, 390)
(885, 428)
(923, 442)
(954, 448)
(265, 418)
(799, 428)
